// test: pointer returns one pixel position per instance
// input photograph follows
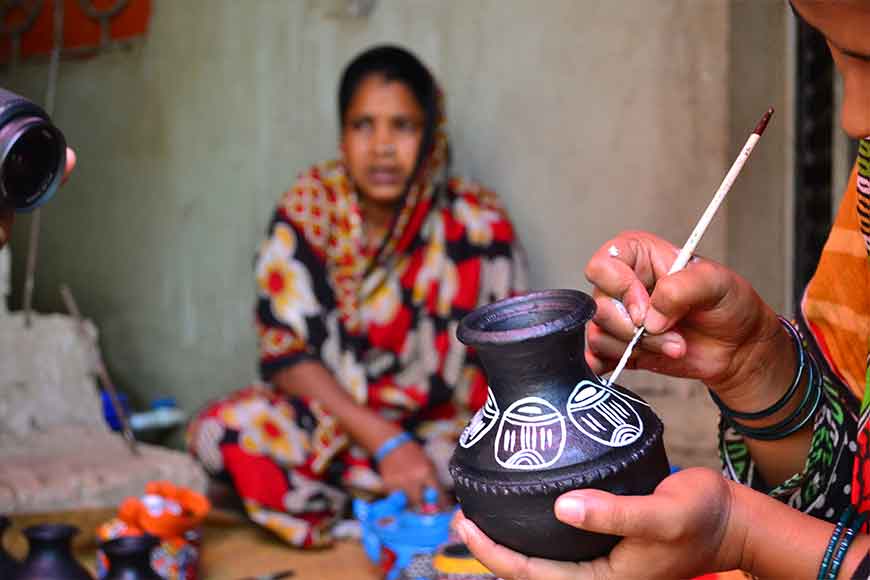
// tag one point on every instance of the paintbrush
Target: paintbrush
(689, 247)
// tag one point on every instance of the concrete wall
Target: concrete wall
(588, 118)
(760, 240)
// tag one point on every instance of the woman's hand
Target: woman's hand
(682, 530)
(409, 469)
(7, 214)
(704, 322)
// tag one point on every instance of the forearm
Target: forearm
(776, 541)
(312, 380)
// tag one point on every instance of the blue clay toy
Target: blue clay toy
(393, 535)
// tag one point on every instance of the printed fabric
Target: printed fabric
(382, 320)
(835, 324)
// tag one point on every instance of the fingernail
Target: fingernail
(673, 349)
(621, 308)
(636, 314)
(654, 321)
(463, 530)
(570, 510)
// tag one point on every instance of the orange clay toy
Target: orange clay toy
(165, 511)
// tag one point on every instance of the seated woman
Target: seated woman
(370, 263)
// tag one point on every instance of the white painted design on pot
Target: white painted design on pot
(531, 435)
(481, 423)
(604, 414)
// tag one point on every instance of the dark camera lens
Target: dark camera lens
(32, 154)
(30, 166)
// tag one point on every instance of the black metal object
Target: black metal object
(813, 152)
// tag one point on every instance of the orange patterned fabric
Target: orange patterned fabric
(837, 301)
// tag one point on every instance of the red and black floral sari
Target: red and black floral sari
(383, 322)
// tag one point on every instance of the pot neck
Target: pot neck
(532, 340)
(55, 537)
(519, 368)
(133, 552)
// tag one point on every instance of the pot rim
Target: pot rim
(129, 545)
(576, 309)
(50, 531)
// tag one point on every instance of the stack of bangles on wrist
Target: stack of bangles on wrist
(842, 537)
(798, 418)
(391, 445)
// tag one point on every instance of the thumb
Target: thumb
(643, 516)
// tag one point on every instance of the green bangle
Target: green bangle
(832, 543)
(782, 429)
(844, 546)
(789, 393)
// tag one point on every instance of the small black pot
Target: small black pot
(50, 554)
(130, 558)
(8, 565)
(549, 425)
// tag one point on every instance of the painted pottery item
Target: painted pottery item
(49, 556)
(400, 540)
(130, 557)
(549, 425)
(8, 565)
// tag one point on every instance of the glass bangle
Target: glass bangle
(789, 393)
(832, 543)
(391, 444)
(781, 429)
(848, 536)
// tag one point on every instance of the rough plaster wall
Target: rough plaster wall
(45, 376)
(5, 278)
(84, 466)
(588, 118)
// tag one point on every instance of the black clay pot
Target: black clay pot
(549, 425)
(49, 556)
(130, 558)
(8, 565)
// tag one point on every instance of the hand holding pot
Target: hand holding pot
(704, 322)
(682, 530)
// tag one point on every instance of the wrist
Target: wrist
(774, 540)
(734, 550)
(390, 445)
(764, 369)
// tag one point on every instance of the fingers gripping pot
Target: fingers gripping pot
(32, 154)
(549, 425)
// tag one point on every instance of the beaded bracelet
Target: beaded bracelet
(391, 445)
(832, 543)
(848, 536)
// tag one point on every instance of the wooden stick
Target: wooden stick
(689, 247)
(102, 372)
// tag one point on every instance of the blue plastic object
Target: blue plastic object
(392, 534)
(109, 410)
(164, 403)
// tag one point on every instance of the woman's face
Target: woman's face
(846, 26)
(381, 137)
